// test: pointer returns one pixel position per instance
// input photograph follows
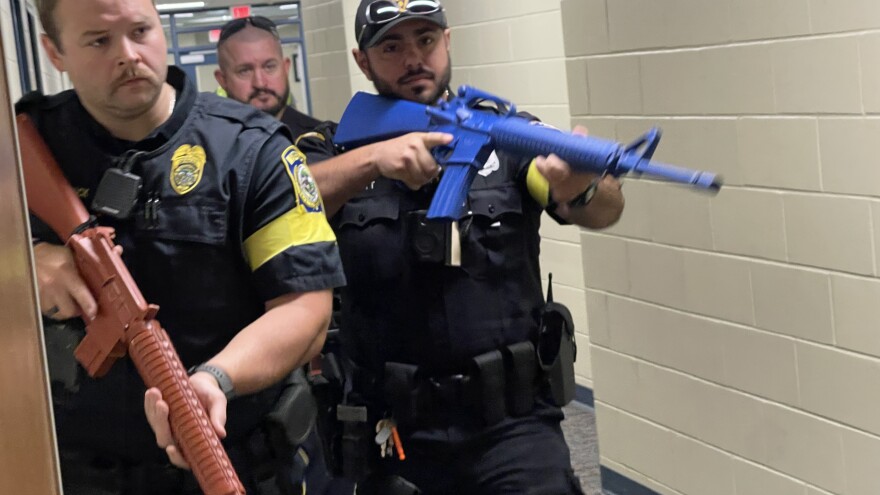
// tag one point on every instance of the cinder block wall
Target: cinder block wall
(326, 48)
(736, 339)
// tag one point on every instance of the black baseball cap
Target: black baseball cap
(375, 17)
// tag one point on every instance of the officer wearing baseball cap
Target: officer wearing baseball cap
(449, 392)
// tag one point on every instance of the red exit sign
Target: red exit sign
(241, 11)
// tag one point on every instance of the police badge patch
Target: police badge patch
(303, 184)
(187, 165)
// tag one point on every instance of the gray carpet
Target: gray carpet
(580, 432)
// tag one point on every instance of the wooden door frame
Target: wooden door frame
(28, 450)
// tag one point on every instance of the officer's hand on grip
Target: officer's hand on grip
(156, 409)
(566, 185)
(63, 292)
(408, 158)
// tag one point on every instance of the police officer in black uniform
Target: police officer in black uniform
(254, 70)
(443, 345)
(227, 235)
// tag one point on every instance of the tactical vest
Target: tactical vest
(398, 307)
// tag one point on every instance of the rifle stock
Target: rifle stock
(125, 322)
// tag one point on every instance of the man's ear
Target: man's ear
(447, 36)
(53, 52)
(287, 64)
(220, 77)
(363, 62)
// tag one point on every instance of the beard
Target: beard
(279, 105)
(418, 93)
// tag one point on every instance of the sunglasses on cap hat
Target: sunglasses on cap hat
(378, 13)
(256, 21)
(382, 11)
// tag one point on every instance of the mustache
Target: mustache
(414, 75)
(263, 91)
(129, 74)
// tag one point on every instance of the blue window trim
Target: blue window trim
(24, 74)
(35, 50)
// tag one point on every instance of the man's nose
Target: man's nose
(259, 79)
(128, 54)
(412, 57)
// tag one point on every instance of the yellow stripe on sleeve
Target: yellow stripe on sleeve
(537, 185)
(309, 135)
(294, 228)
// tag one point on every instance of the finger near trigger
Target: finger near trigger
(432, 139)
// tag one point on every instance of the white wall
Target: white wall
(735, 341)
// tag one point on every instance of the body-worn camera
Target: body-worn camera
(430, 240)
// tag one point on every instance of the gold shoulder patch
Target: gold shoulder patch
(187, 165)
(303, 184)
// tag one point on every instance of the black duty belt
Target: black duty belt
(497, 384)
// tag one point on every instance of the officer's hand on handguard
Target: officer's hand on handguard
(156, 409)
(605, 202)
(63, 292)
(408, 158)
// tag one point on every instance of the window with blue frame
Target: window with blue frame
(24, 72)
(192, 41)
(26, 47)
(35, 50)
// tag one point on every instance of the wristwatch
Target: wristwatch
(585, 197)
(222, 378)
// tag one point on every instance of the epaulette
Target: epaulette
(247, 115)
(322, 132)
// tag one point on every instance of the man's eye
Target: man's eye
(99, 42)
(140, 32)
(389, 48)
(428, 40)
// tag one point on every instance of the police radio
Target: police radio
(118, 190)
(557, 349)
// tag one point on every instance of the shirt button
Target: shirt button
(491, 208)
(361, 217)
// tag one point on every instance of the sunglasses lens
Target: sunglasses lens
(232, 28)
(382, 11)
(237, 25)
(263, 23)
(423, 6)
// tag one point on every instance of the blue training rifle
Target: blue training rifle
(370, 118)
